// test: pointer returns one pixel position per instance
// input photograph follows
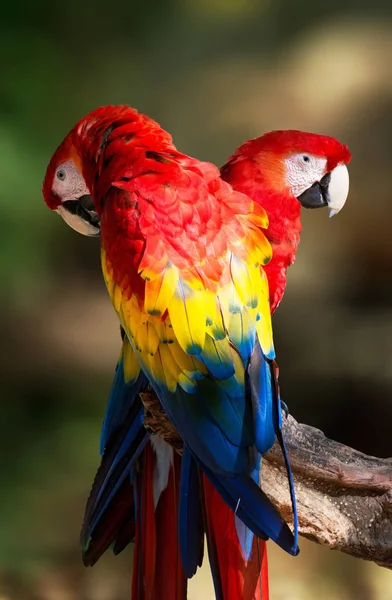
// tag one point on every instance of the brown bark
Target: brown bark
(344, 497)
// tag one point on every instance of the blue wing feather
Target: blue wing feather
(190, 524)
(262, 394)
(254, 509)
(110, 507)
(121, 396)
(203, 435)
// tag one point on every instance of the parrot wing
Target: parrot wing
(110, 504)
(129, 380)
(196, 313)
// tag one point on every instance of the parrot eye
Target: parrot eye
(60, 174)
(305, 158)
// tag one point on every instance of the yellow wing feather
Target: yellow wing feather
(160, 291)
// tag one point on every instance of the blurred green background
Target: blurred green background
(213, 72)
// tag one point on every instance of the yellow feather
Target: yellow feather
(146, 338)
(140, 337)
(158, 372)
(238, 377)
(170, 368)
(152, 338)
(211, 309)
(241, 325)
(229, 302)
(159, 291)
(262, 249)
(160, 328)
(255, 215)
(117, 297)
(187, 311)
(188, 364)
(264, 323)
(130, 361)
(215, 327)
(242, 279)
(218, 351)
(106, 275)
(110, 285)
(132, 317)
(264, 333)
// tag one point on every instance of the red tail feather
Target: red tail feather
(145, 536)
(237, 578)
(157, 570)
(170, 581)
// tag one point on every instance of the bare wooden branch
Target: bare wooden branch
(344, 497)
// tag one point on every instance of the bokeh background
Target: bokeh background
(213, 72)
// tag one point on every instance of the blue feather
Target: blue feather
(242, 333)
(190, 522)
(232, 413)
(203, 435)
(278, 417)
(246, 535)
(263, 399)
(217, 358)
(254, 509)
(121, 465)
(121, 396)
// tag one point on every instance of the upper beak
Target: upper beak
(331, 191)
(80, 214)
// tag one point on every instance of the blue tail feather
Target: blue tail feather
(190, 525)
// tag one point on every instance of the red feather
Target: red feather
(145, 535)
(157, 570)
(238, 578)
(170, 581)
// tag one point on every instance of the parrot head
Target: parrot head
(66, 192)
(307, 167)
(69, 180)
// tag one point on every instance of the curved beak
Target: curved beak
(80, 214)
(331, 191)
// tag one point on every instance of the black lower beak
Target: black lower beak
(83, 208)
(316, 196)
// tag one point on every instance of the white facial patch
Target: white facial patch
(68, 182)
(303, 170)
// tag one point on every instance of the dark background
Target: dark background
(213, 72)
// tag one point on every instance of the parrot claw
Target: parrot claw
(285, 408)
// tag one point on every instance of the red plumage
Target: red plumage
(119, 146)
(239, 578)
(157, 570)
(256, 169)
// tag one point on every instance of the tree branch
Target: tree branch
(344, 497)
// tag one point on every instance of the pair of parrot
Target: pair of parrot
(195, 263)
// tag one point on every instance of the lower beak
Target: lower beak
(331, 191)
(80, 215)
(316, 196)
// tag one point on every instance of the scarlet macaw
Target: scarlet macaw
(187, 262)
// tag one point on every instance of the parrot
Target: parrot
(195, 263)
